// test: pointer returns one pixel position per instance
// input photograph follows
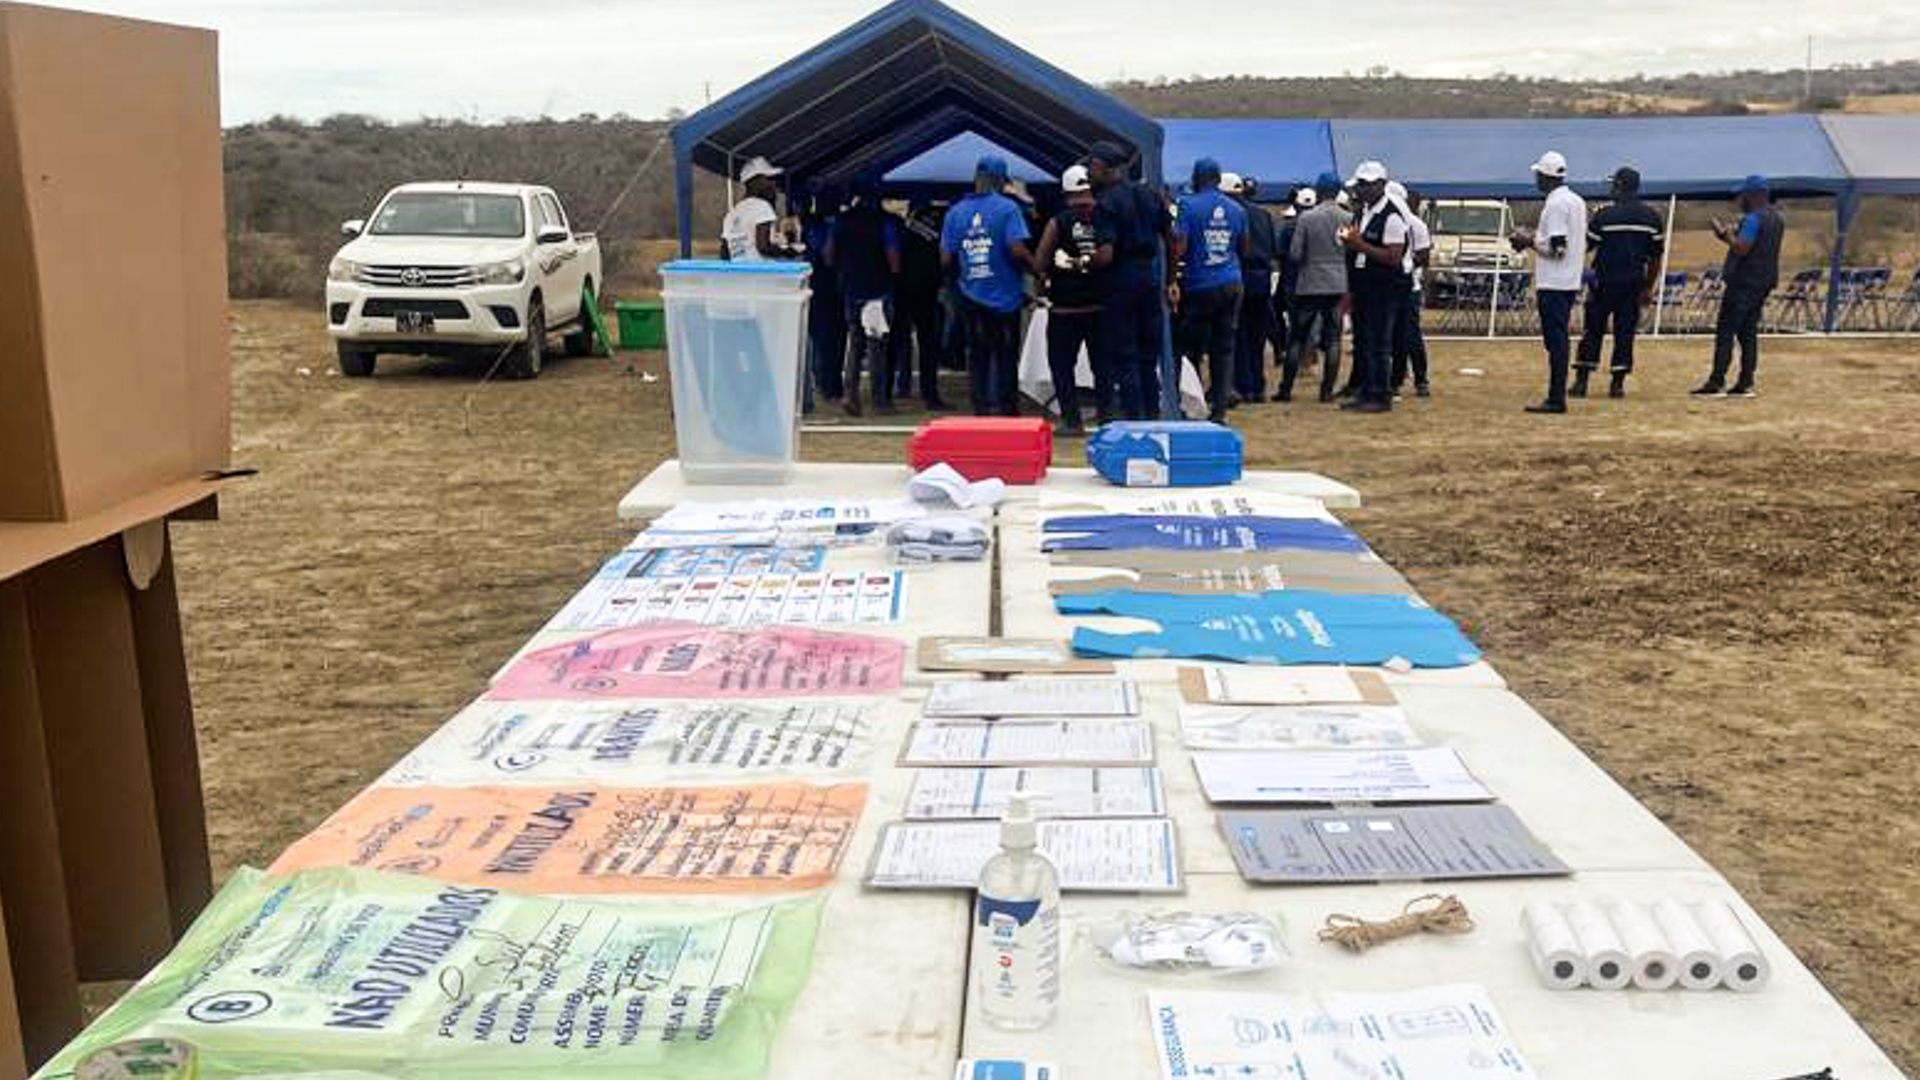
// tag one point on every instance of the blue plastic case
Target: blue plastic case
(1166, 453)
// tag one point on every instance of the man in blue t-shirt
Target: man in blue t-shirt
(1209, 241)
(984, 240)
(1751, 270)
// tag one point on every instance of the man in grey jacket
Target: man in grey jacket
(1320, 289)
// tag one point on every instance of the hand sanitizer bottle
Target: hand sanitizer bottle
(1016, 927)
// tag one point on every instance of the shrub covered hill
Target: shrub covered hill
(291, 182)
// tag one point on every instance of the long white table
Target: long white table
(1616, 847)
(665, 487)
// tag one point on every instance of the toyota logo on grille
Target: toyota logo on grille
(413, 276)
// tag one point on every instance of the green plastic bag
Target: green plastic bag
(343, 971)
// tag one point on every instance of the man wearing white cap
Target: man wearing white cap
(1560, 258)
(1076, 247)
(1410, 344)
(748, 233)
(1377, 243)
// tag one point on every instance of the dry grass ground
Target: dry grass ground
(1720, 601)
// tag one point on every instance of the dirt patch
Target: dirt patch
(1717, 600)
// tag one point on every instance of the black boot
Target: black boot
(1579, 387)
(1618, 389)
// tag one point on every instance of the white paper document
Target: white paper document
(1030, 742)
(637, 742)
(940, 794)
(737, 600)
(1295, 727)
(1186, 504)
(1435, 1033)
(1243, 685)
(1041, 696)
(1114, 855)
(1435, 774)
(783, 514)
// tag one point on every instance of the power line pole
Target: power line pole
(1806, 91)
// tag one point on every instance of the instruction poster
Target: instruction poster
(941, 794)
(680, 660)
(1437, 1033)
(346, 970)
(574, 840)
(548, 742)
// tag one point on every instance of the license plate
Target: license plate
(413, 322)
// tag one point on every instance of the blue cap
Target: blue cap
(1327, 182)
(1752, 185)
(1206, 169)
(991, 165)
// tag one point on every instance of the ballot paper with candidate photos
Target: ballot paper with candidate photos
(1435, 1033)
(641, 742)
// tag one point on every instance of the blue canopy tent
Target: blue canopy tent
(951, 164)
(1280, 154)
(1684, 156)
(1687, 157)
(896, 84)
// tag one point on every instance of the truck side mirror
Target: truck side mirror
(551, 234)
(353, 228)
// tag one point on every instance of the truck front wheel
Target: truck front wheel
(355, 362)
(525, 359)
(579, 340)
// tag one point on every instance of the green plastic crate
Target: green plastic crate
(643, 324)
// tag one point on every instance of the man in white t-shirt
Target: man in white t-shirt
(1560, 258)
(750, 232)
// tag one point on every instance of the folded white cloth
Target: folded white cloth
(873, 318)
(941, 482)
(949, 538)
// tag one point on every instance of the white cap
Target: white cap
(1306, 198)
(1551, 164)
(1018, 826)
(1075, 179)
(1369, 172)
(1231, 183)
(758, 167)
(1397, 190)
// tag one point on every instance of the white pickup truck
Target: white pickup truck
(446, 269)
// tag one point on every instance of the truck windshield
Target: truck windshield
(451, 213)
(1467, 220)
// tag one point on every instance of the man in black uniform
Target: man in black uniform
(1377, 243)
(1256, 295)
(917, 302)
(1751, 271)
(1627, 240)
(1076, 247)
(1131, 315)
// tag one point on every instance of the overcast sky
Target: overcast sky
(485, 59)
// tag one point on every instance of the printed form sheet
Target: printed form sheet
(1116, 855)
(1435, 774)
(1063, 696)
(1063, 792)
(1436, 1033)
(1030, 742)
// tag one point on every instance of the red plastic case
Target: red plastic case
(1015, 449)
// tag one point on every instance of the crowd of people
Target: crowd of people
(1115, 265)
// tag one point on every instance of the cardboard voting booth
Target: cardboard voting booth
(113, 421)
